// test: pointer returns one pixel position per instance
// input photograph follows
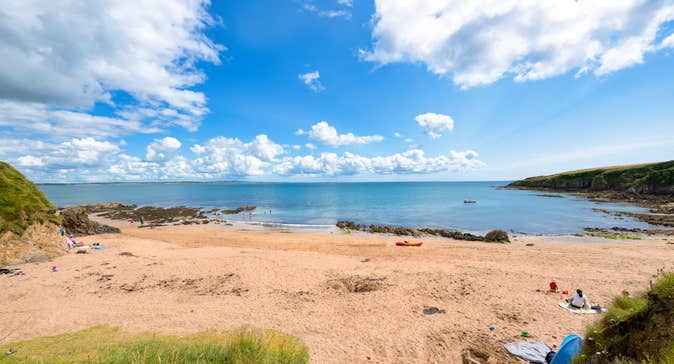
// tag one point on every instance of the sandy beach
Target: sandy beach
(182, 279)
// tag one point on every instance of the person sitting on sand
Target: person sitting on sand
(579, 300)
(553, 286)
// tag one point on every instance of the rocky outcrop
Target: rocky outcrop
(76, 221)
(29, 226)
(38, 242)
(496, 236)
(239, 209)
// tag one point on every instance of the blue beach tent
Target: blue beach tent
(568, 349)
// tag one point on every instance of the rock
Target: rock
(76, 221)
(239, 209)
(39, 242)
(432, 310)
(28, 222)
(497, 236)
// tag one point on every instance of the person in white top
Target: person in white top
(579, 300)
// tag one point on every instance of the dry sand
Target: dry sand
(189, 278)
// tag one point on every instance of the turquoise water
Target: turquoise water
(414, 204)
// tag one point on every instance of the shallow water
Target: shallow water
(414, 204)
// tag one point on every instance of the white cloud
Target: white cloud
(296, 147)
(61, 58)
(435, 124)
(74, 154)
(312, 80)
(88, 159)
(232, 157)
(480, 42)
(30, 161)
(310, 146)
(667, 42)
(58, 123)
(168, 144)
(409, 162)
(309, 7)
(397, 135)
(327, 134)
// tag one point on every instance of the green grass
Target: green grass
(106, 345)
(635, 329)
(614, 236)
(646, 177)
(21, 202)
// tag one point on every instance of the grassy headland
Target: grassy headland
(21, 202)
(651, 178)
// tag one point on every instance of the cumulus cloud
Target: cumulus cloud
(74, 154)
(168, 145)
(232, 157)
(327, 134)
(62, 58)
(434, 124)
(479, 42)
(88, 159)
(312, 80)
(410, 162)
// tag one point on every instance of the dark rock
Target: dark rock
(76, 221)
(239, 209)
(497, 236)
(432, 310)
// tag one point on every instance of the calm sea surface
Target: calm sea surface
(414, 204)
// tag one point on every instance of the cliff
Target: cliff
(29, 226)
(649, 179)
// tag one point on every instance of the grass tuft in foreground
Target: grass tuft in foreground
(103, 344)
(635, 329)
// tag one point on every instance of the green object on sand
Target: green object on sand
(525, 334)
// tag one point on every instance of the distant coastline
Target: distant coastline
(503, 182)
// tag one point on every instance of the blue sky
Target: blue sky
(333, 90)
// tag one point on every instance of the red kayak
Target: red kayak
(409, 243)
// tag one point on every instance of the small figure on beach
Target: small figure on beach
(63, 231)
(142, 222)
(553, 286)
(579, 300)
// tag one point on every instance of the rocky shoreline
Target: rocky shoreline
(660, 207)
(153, 216)
(494, 236)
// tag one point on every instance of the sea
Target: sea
(410, 204)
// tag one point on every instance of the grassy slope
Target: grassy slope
(635, 329)
(21, 202)
(637, 176)
(102, 344)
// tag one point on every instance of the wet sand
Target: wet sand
(181, 279)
